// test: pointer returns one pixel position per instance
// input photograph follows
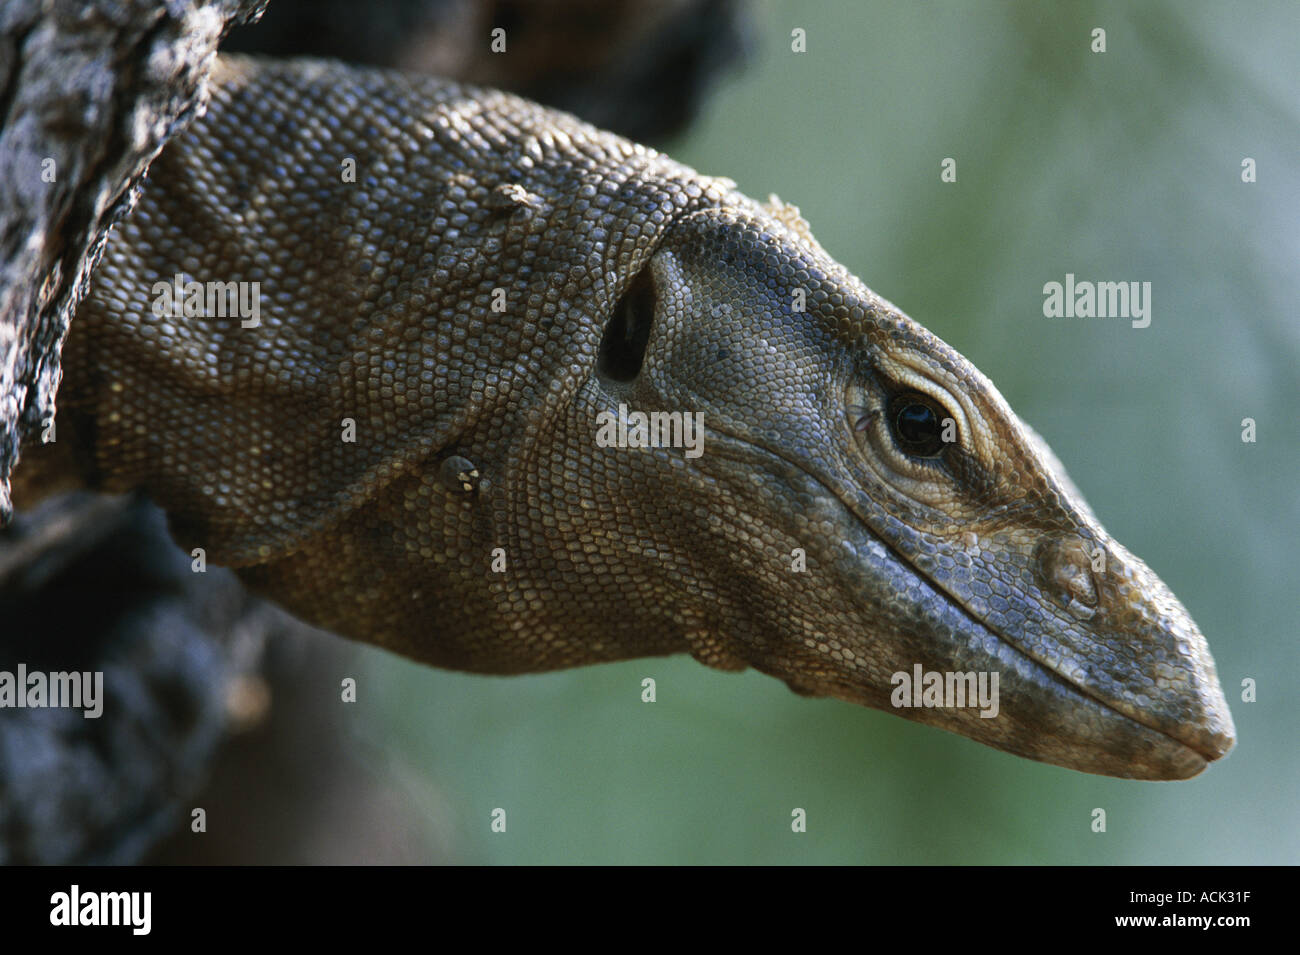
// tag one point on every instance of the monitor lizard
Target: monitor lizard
(456, 289)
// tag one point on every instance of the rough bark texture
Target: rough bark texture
(179, 652)
(90, 91)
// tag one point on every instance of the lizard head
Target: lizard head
(881, 527)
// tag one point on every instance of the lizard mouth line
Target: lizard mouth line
(746, 451)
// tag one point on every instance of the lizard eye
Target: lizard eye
(911, 441)
(916, 423)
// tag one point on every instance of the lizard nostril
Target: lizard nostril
(1065, 569)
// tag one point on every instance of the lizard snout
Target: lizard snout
(1143, 654)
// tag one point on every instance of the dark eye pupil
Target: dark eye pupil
(917, 424)
(917, 428)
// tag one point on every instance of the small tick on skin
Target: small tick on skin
(459, 474)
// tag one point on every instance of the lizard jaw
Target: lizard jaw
(1051, 718)
(1044, 714)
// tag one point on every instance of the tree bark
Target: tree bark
(90, 91)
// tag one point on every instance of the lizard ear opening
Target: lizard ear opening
(622, 349)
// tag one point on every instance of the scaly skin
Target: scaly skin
(476, 429)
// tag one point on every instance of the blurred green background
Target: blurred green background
(1118, 166)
